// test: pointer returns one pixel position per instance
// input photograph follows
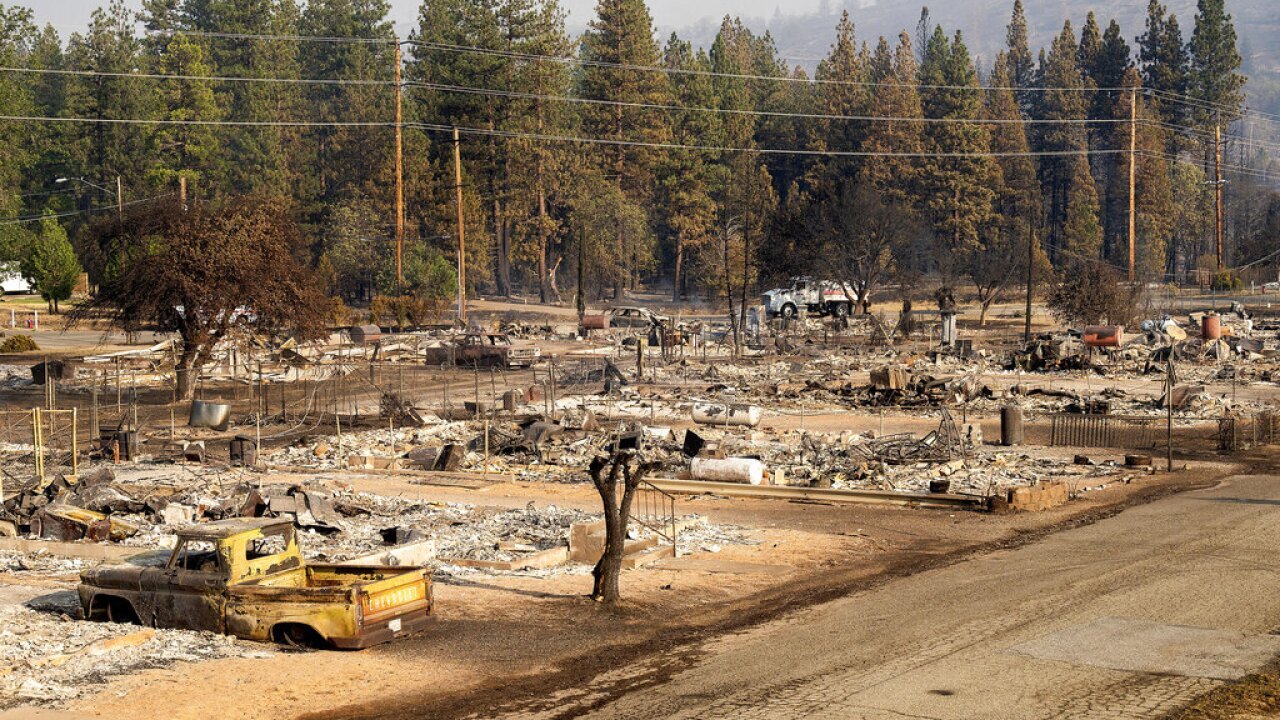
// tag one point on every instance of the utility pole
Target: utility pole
(399, 173)
(462, 245)
(1031, 264)
(1217, 183)
(120, 198)
(1133, 144)
(182, 191)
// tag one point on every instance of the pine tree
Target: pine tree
(184, 150)
(349, 162)
(895, 95)
(1164, 62)
(957, 191)
(1060, 176)
(1215, 77)
(16, 35)
(1080, 236)
(537, 169)
(622, 33)
(1021, 64)
(846, 67)
(1002, 258)
(102, 151)
(250, 159)
(689, 181)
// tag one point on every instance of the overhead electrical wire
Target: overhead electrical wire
(100, 208)
(202, 78)
(468, 90)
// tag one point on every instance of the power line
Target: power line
(751, 150)
(298, 38)
(37, 218)
(231, 123)
(464, 89)
(204, 78)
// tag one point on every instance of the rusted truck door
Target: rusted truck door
(196, 592)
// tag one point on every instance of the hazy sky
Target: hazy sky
(72, 15)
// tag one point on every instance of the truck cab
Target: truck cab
(247, 577)
(820, 297)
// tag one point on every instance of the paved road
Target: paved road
(1126, 618)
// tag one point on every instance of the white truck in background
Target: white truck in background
(820, 297)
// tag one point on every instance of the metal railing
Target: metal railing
(1241, 432)
(654, 508)
(1114, 431)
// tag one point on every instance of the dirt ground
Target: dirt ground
(498, 636)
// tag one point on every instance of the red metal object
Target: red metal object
(595, 322)
(1103, 336)
(1211, 327)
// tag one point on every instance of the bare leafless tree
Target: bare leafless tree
(628, 470)
(860, 230)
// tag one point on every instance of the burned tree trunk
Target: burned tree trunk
(617, 511)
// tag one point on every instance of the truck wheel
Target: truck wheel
(788, 311)
(297, 635)
(840, 310)
(114, 610)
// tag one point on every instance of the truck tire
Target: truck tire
(297, 635)
(840, 309)
(788, 311)
(108, 608)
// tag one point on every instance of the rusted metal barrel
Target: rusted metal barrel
(365, 334)
(1104, 335)
(595, 322)
(1011, 425)
(1211, 326)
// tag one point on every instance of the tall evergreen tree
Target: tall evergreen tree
(622, 34)
(1021, 64)
(895, 95)
(1164, 62)
(1215, 77)
(184, 150)
(1001, 259)
(957, 190)
(689, 181)
(102, 151)
(1064, 178)
(839, 92)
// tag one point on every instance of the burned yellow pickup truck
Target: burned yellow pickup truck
(246, 577)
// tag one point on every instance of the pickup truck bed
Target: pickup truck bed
(278, 596)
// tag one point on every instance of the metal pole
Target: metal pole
(1168, 396)
(462, 245)
(399, 173)
(1133, 139)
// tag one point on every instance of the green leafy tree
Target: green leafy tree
(50, 265)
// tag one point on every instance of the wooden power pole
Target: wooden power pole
(399, 173)
(182, 191)
(1217, 184)
(120, 198)
(1133, 147)
(462, 234)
